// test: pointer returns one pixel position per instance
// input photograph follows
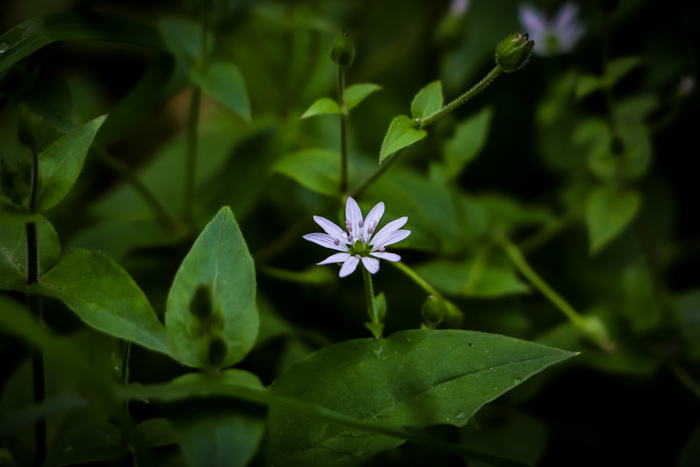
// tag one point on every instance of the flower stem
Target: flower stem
(473, 91)
(377, 173)
(551, 230)
(343, 132)
(517, 257)
(369, 294)
(191, 156)
(429, 289)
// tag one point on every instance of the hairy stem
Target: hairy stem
(429, 289)
(369, 294)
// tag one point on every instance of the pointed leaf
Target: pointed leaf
(220, 261)
(608, 213)
(468, 140)
(427, 101)
(105, 297)
(316, 169)
(358, 92)
(413, 378)
(224, 82)
(61, 163)
(324, 105)
(402, 133)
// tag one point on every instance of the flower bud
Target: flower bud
(343, 51)
(514, 51)
(212, 351)
(433, 311)
(200, 306)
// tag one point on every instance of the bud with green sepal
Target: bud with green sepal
(212, 351)
(434, 310)
(343, 51)
(514, 51)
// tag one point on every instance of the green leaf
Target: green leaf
(468, 140)
(620, 67)
(93, 442)
(13, 252)
(588, 84)
(316, 169)
(324, 105)
(219, 260)
(402, 133)
(61, 163)
(52, 101)
(105, 297)
(224, 82)
(608, 213)
(183, 38)
(427, 101)
(33, 34)
(357, 93)
(415, 378)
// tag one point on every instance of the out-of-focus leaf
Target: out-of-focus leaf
(309, 276)
(642, 305)
(427, 101)
(316, 169)
(615, 71)
(13, 252)
(608, 213)
(358, 92)
(90, 443)
(61, 163)
(402, 133)
(413, 378)
(183, 38)
(105, 297)
(689, 310)
(33, 34)
(52, 101)
(468, 140)
(324, 105)
(155, 432)
(224, 82)
(220, 261)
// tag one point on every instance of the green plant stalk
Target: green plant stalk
(516, 256)
(191, 157)
(473, 91)
(369, 294)
(126, 359)
(429, 289)
(343, 133)
(377, 173)
(551, 230)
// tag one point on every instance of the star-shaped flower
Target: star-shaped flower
(556, 35)
(359, 243)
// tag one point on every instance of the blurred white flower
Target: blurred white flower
(359, 244)
(686, 86)
(556, 35)
(459, 7)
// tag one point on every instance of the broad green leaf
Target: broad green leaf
(427, 101)
(608, 213)
(224, 82)
(357, 93)
(89, 443)
(61, 163)
(214, 433)
(316, 169)
(183, 38)
(33, 34)
(468, 140)
(13, 252)
(105, 297)
(620, 67)
(402, 133)
(587, 84)
(324, 105)
(413, 378)
(219, 260)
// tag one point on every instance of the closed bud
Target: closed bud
(343, 51)
(212, 351)
(200, 306)
(433, 311)
(514, 51)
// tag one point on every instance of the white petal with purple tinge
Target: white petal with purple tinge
(349, 266)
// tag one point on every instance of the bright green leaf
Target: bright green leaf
(468, 140)
(427, 101)
(105, 297)
(13, 252)
(316, 169)
(61, 163)
(402, 133)
(413, 378)
(219, 260)
(324, 105)
(224, 82)
(608, 212)
(357, 93)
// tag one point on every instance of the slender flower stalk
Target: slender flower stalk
(360, 243)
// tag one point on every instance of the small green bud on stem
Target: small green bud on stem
(343, 51)
(514, 51)
(433, 311)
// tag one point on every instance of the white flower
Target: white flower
(555, 35)
(359, 244)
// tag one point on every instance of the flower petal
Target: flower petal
(533, 20)
(325, 241)
(385, 255)
(349, 266)
(395, 237)
(354, 215)
(387, 231)
(371, 264)
(374, 215)
(336, 258)
(331, 229)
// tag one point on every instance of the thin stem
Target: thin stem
(551, 230)
(191, 156)
(473, 91)
(685, 378)
(377, 173)
(429, 289)
(131, 177)
(369, 294)
(343, 132)
(516, 256)
(126, 359)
